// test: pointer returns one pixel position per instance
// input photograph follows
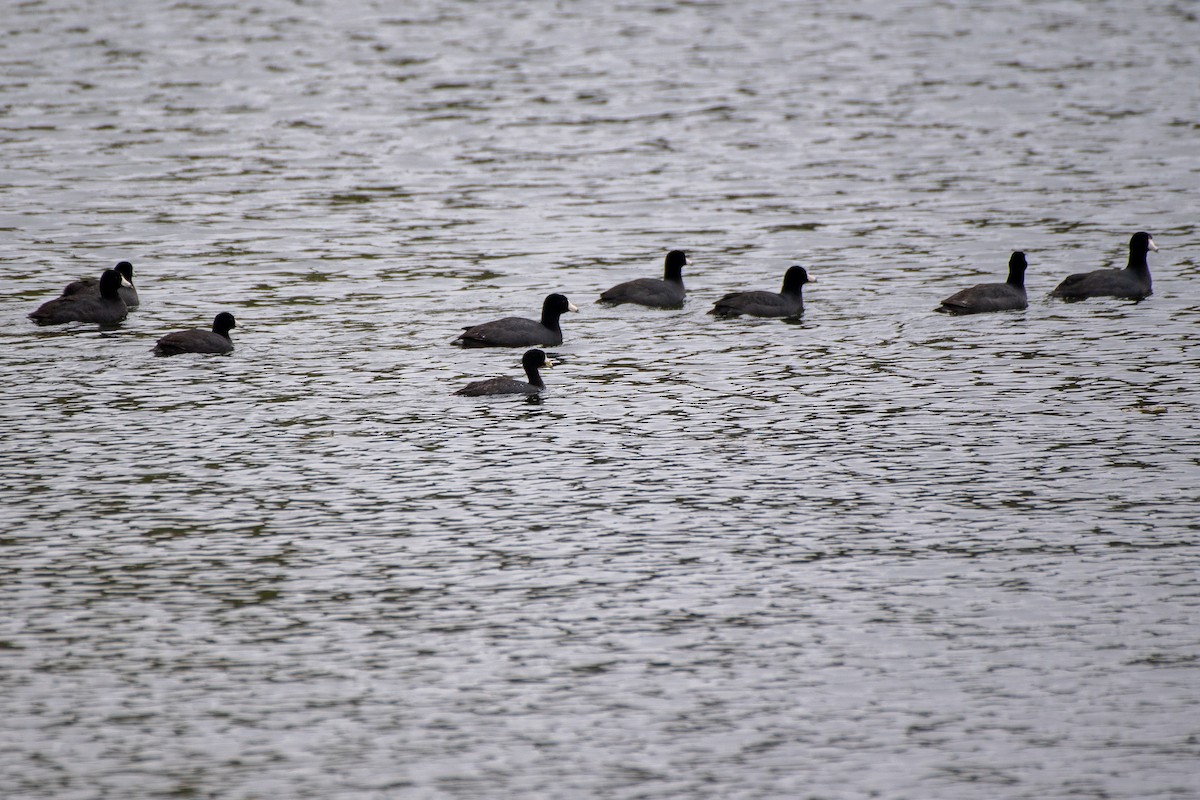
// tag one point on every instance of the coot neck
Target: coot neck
(1137, 263)
(110, 290)
(534, 376)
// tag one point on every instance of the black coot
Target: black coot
(531, 361)
(1131, 283)
(788, 303)
(984, 297)
(518, 331)
(665, 293)
(106, 307)
(199, 340)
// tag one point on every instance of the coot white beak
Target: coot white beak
(572, 307)
(1153, 247)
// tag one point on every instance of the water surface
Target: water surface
(876, 552)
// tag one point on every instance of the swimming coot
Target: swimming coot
(788, 303)
(1007, 296)
(665, 293)
(105, 307)
(1131, 283)
(198, 340)
(129, 293)
(518, 331)
(532, 361)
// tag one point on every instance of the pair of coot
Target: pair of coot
(107, 300)
(518, 332)
(96, 300)
(90, 287)
(1131, 283)
(669, 292)
(665, 293)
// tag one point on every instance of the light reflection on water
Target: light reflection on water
(873, 551)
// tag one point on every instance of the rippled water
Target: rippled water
(875, 553)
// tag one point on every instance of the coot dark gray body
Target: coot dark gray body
(1007, 296)
(1131, 283)
(787, 303)
(665, 293)
(129, 293)
(518, 331)
(198, 340)
(105, 307)
(531, 361)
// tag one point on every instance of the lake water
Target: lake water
(878, 552)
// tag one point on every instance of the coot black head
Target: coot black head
(110, 284)
(794, 278)
(126, 270)
(224, 323)
(1140, 244)
(532, 361)
(554, 307)
(673, 266)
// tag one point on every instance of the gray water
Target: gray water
(877, 552)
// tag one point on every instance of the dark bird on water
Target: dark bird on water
(665, 293)
(1131, 283)
(532, 361)
(199, 340)
(984, 297)
(518, 331)
(789, 302)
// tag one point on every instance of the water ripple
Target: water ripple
(876, 550)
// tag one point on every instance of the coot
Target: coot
(518, 331)
(788, 303)
(1131, 283)
(532, 361)
(1007, 296)
(198, 340)
(665, 293)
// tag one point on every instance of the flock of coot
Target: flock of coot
(1132, 282)
(107, 300)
